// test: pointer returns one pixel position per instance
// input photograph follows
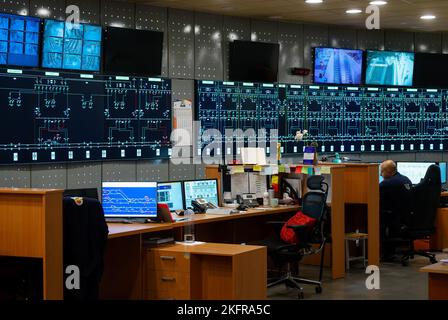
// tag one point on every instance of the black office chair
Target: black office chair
(420, 223)
(395, 207)
(313, 205)
(84, 240)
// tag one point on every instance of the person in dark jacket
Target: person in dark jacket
(394, 198)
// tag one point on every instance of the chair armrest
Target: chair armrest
(297, 227)
(274, 223)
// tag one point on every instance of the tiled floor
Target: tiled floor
(396, 283)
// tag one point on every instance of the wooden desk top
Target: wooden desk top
(117, 230)
(215, 249)
(28, 191)
(436, 268)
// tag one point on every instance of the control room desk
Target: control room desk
(437, 281)
(124, 257)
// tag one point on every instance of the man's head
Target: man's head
(388, 169)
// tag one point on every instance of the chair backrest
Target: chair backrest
(86, 192)
(84, 239)
(314, 205)
(315, 200)
(426, 200)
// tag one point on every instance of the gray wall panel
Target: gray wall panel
(89, 10)
(399, 41)
(445, 42)
(208, 47)
(49, 176)
(15, 176)
(152, 171)
(370, 39)
(314, 36)
(16, 7)
(125, 171)
(341, 37)
(234, 29)
(428, 42)
(200, 171)
(56, 8)
(182, 172)
(183, 89)
(84, 175)
(427, 156)
(181, 44)
(155, 19)
(118, 14)
(264, 31)
(290, 38)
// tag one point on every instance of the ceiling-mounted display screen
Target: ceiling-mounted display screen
(71, 46)
(337, 66)
(19, 40)
(390, 68)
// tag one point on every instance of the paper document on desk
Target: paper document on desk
(239, 184)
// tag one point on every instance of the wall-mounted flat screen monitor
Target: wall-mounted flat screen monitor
(19, 40)
(253, 61)
(338, 66)
(130, 51)
(71, 46)
(430, 70)
(389, 68)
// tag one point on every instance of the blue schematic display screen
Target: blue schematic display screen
(390, 68)
(337, 66)
(338, 118)
(19, 40)
(129, 199)
(72, 117)
(71, 46)
(171, 194)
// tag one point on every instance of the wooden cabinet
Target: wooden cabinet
(205, 271)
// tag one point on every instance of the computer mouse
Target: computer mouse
(180, 212)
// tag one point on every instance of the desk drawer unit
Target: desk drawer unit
(167, 275)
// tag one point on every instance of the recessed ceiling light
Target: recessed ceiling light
(314, 1)
(353, 11)
(428, 17)
(378, 3)
(43, 12)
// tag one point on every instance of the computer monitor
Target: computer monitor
(171, 194)
(443, 166)
(205, 189)
(130, 199)
(416, 171)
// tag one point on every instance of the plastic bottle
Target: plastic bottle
(266, 199)
(189, 226)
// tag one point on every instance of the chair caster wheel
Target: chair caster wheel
(319, 290)
(433, 260)
(300, 296)
(405, 263)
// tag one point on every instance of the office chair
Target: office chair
(84, 240)
(420, 223)
(85, 192)
(281, 253)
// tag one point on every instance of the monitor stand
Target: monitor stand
(126, 220)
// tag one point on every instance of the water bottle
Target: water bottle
(266, 199)
(189, 226)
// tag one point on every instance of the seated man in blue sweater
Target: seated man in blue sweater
(390, 193)
(391, 176)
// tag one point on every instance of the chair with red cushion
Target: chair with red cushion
(310, 237)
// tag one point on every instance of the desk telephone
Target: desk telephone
(247, 199)
(201, 205)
